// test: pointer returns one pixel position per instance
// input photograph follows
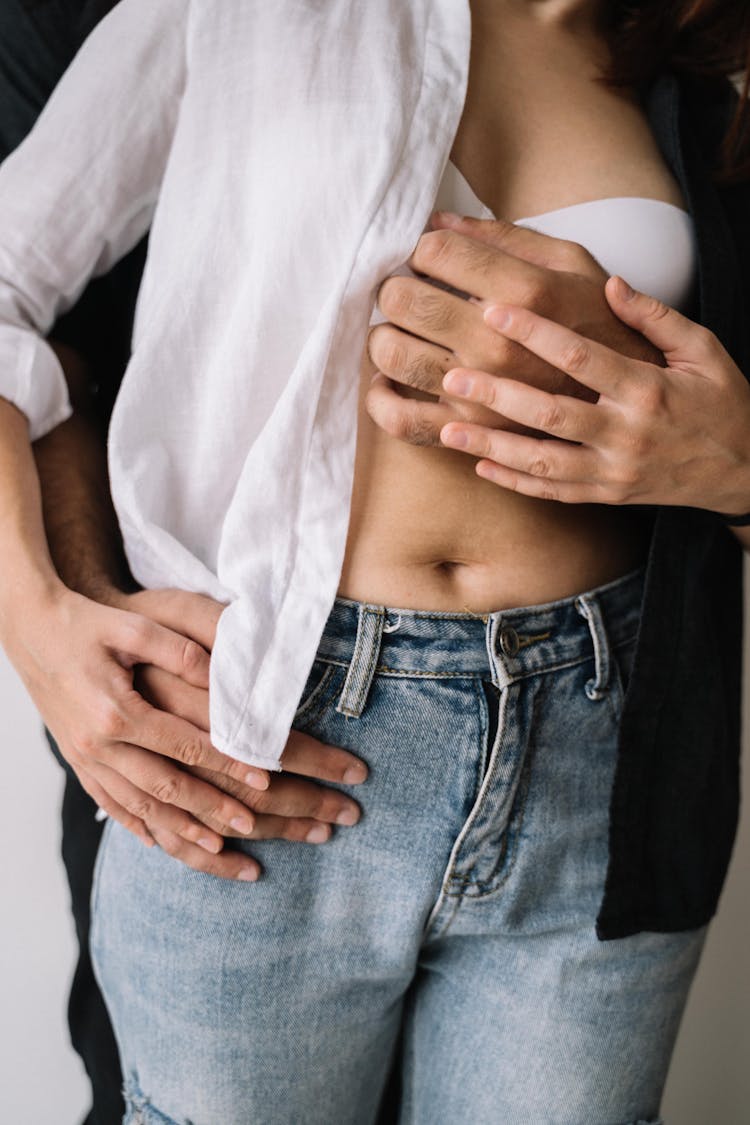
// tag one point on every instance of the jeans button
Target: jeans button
(509, 642)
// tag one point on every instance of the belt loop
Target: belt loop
(588, 607)
(370, 620)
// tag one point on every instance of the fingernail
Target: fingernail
(248, 874)
(317, 835)
(457, 438)
(241, 824)
(256, 780)
(348, 817)
(209, 845)
(458, 384)
(355, 775)
(449, 218)
(497, 317)
(624, 290)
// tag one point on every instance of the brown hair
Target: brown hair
(707, 39)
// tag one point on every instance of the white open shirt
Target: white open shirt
(286, 155)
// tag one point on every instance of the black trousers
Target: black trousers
(90, 1030)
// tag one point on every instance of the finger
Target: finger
(538, 487)
(426, 310)
(412, 420)
(519, 242)
(144, 808)
(229, 864)
(113, 808)
(158, 782)
(194, 615)
(555, 414)
(476, 266)
(138, 640)
(668, 330)
(305, 755)
(170, 693)
(541, 458)
(299, 830)
(407, 359)
(592, 364)
(291, 796)
(172, 737)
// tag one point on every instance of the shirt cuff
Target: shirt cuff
(32, 378)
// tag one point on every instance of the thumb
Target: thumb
(677, 337)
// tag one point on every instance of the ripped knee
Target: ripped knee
(140, 1111)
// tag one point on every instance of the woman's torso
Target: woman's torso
(425, 531)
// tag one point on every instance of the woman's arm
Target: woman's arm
(672, 435)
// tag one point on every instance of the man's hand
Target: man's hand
(124, 692)
(293, 807)
(432, 331)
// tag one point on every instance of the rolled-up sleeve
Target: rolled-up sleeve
(81, 189)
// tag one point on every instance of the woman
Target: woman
(496, 641)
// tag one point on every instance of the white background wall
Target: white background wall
(41, 1080)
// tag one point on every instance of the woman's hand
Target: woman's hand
(123, 688)
(431, 331)
(674, 435)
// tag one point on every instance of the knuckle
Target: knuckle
(384, 347)
(577, 258)
(433, 248)
(395, 296)
(551, 417)
(188, 751)
(575, 356)
(539, 467)
(656, 309)
(141, 808)
(547, 492)
(651, 398)
(111, 722)
(168, 790)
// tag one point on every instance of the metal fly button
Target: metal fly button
(509, 641)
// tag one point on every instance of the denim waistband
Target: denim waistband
(504, 645)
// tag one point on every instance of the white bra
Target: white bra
(647, 241)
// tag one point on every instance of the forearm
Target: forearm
(26, 566)
(80, 522)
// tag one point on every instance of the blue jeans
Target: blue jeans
(459, 912)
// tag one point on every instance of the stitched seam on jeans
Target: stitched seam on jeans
(511, 836)
(318, 687)
(322, 698)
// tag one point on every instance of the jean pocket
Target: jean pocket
(314, 693)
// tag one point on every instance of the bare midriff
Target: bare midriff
(425, 531)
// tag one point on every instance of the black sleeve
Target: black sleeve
(38, 39)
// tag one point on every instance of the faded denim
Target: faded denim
(460, 910)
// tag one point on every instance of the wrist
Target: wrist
(26, 598)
